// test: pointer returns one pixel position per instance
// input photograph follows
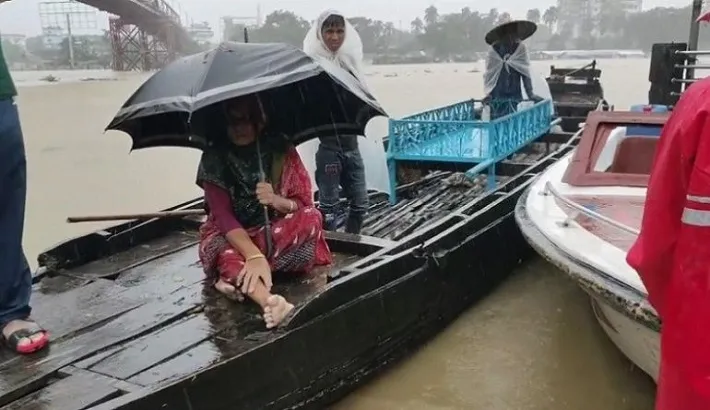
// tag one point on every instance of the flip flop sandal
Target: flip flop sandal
(13, 340)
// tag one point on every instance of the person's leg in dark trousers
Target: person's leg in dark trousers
(15, 275)
(328, 173)
(355, 187)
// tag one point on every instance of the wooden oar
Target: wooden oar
(126, 217)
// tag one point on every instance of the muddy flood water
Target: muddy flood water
(532, 344)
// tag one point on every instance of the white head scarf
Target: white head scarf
(348, 56)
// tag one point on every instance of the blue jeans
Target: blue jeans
(15, 275)
(333, 170)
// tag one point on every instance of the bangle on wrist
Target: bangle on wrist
(254, 257)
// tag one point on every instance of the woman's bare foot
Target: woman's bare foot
(28, 336)
(275, 310)
(276, 307)
(228, 290)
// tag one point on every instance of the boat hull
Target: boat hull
(639, 343)
(623, 313)
(337, 352)
(190, 349)
(373, 320)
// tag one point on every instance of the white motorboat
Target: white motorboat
(584, 213)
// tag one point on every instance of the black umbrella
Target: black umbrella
(301, 98)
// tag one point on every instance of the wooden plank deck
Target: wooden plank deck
(139, 329)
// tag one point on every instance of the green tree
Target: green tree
(417, 26)
(587, 41)
(369, 32)
(431, 15)
(659, 25)
(533, 15)
(455, 36)
(376, 35)
(87, 49)
(504, 18)
(492, 17)
(550, 16)
(282, 26)
(35, 46)
(449, 36)
(13, 52)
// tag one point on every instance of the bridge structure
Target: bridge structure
(145, 34)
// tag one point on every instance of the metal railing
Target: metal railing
(689, 68)
(694, 52)
(550, 190)
(457, 134)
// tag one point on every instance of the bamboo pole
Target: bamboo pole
(142, 216)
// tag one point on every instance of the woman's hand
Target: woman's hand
(265, 193)
(256, 269)
(266, 196)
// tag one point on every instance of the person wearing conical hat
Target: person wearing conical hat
(508, 67)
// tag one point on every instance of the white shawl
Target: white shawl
(349, 56)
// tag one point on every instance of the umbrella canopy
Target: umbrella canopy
(521, 29)
(301, 98)
(704, 17)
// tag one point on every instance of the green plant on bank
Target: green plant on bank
(436, 35)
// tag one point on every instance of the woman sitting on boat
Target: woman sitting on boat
(507, 67)
(233, 247)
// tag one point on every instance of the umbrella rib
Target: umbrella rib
(201, 83)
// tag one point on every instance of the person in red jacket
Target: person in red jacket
(672, 252)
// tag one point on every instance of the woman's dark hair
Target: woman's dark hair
(334, 20)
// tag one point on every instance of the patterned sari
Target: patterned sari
(297, 238)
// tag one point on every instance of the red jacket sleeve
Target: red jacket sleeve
(653, 253)
(221, 208)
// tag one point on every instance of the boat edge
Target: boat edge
(622, 298)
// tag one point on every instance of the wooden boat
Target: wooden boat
(134, 326)
(584, 213)
(576, 92)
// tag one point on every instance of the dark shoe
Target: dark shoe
(354, 224)
(330, 222)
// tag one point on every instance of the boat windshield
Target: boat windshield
(615, 154)
(628, 150)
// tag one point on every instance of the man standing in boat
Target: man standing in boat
(508, 67)
(19, 334)
(672, 252)
(338, 159)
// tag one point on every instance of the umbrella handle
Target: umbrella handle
(267, 220)
(267, 234)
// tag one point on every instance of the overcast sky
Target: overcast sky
(22, 16)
